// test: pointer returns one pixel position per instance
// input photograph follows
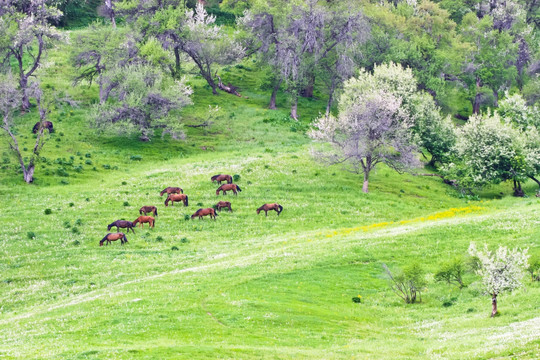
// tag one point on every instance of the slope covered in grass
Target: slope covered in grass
(243, 286)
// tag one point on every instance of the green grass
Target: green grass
(243, 286)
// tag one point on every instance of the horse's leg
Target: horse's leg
(266, 212)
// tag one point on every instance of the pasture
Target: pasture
(242, 286)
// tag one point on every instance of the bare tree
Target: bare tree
(10, 100)
(107, 9)
(22, 29)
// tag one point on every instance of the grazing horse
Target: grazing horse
(227, 187)
(46, 125)
(171, 190)
(222, 177)
(145, 219)
(148, 209)
(223, 204)
(176, 197)
(113, 237)
(121, 224)
(203, 212)
(267, 207)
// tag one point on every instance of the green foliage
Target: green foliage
(408, 283)
(451, 271)
(533, 267)
(47, 211)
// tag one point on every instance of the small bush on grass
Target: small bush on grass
(408, 283)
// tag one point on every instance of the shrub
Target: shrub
(47, 211)
(78, 222)
(126, 203)
(236, 177)
(451, 271)
(135, 157)
(31, 235)
(76, 243)
(174, 248)
(75, 230)
(534, 268)
(408, 283)
(357, 299)
(88, 162)
(106, 166)
(88, 155)
(187, 217)
(184, 240)
(71, 204)
(67, 224)
(159, 239)
(64, 182)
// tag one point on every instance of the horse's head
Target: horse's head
(258, 211)
(109, 227)
(101, 242)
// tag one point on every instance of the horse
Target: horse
(46, 125)
(222, 177)
(203, 212)
(145, 219)
(171, 190)
(223, 204)
(227, 187)
(176, 197)
(267, 207)
(121, 224)
(113, 237)
(148, 209)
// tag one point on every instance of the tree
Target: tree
(501, 271)
(533, 268)
(142, 101)
(108, 10)
(10, 100)
(451, 271)
(25, 35)
(372, 127)
(408, 284)
(487, 151)
(300, 38)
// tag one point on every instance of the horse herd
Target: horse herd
(176, 194)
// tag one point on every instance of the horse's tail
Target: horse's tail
(238, 187)
(181, 190)
(187, 200)
(36, 127)
(280, 209)
(104, 239)
(229, 179)
(155, 211)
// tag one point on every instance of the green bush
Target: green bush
(30, 235)
(408, 283)
(47, 211)
(451, 271)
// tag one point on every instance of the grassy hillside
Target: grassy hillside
(243, 286)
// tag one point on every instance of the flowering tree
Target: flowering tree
(501, 271)
(372, 127)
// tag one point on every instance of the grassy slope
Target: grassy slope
(244, 286)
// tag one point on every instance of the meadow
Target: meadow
(243, 286)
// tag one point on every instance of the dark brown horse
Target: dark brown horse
(203, 212)
(223, 204)
(46, 125)
(222, 177)
(176, 197)
(113, 237)
(121, 224)
(171, 190)
(148, 209)
(267, 207)
(227, 187)
(145, 219)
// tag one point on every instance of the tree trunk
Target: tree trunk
(28, 173)
(494, 305)
(177, 67)
(476, 103)
(496, 98)
(533, 178)
(24, 87)
(518, 191)
(272, 105)
(330, 98)
(294, 107)
(366, 182)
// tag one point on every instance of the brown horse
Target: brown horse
(222, 177)
(267, 207)
(176, 197)
(145, 219)
(171, 190)
(223, 204)
(148, 209)
(203, 212)
(227, 187)
(46, 125)
(121, 224)
(113, 237)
